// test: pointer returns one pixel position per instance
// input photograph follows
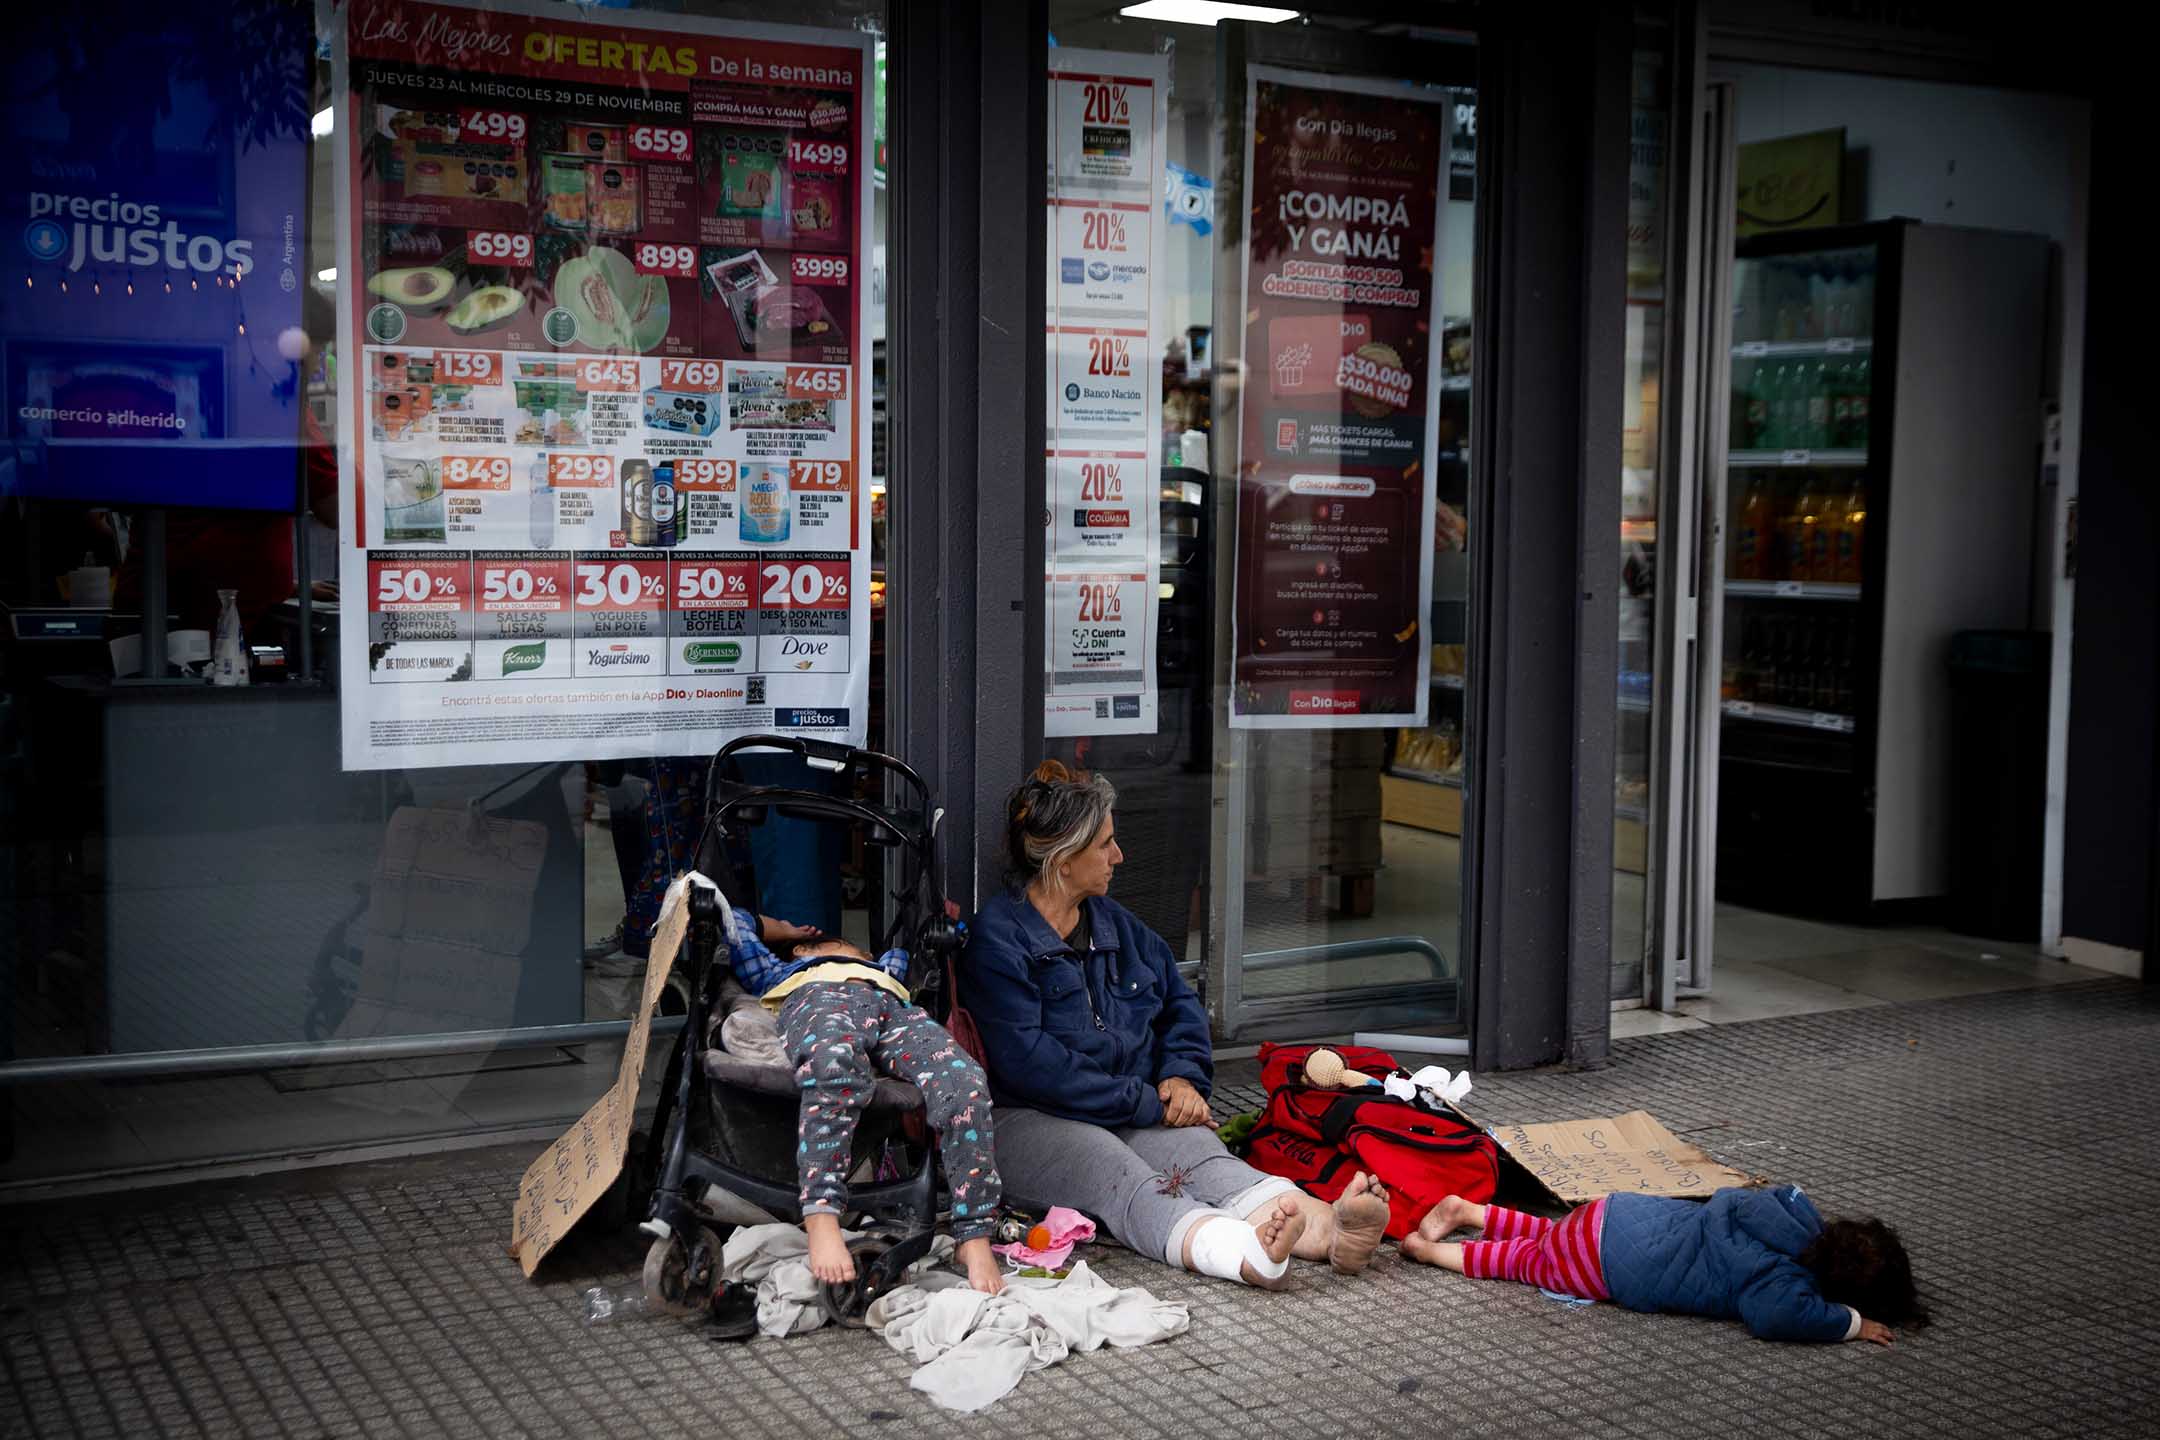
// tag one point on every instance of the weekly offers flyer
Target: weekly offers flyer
(1341, 406)
(603, 452)
(1104, 538)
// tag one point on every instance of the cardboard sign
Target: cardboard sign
(448, 921)
(577, 1169)
(1580, 1160)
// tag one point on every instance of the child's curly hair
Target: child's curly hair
(1862, 1263)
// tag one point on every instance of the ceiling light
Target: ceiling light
(324, 122)
(1206, 12)
(327, 277)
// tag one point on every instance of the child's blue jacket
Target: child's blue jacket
(1734, 1257)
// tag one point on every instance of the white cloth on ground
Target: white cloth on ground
(775, 1259)
(974, 1348)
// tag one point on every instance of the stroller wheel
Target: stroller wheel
(846, 1304)
(679, 1278)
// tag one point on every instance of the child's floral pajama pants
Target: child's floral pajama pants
(839, 1036)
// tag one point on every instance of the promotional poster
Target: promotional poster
(1339, 425)
(1103, 419)
(149, 325)
(604, 447)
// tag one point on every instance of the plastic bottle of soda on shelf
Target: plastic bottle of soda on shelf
(1823, 532)
(1851, 552)
(1755, 532)
(1862, 379)
(1818, 407)
(1792, 550)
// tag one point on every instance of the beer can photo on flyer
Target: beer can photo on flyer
(639, 530)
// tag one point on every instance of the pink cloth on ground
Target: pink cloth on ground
(1067, 1228)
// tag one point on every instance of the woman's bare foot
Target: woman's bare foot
(1444, 1253)
(983, 1271)
(1452, 1214)
(1361, 1216)
(1278, 1230)
(829, 1258)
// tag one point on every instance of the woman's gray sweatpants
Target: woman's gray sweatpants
(1146, 1187)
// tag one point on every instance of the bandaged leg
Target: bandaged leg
(1231, 1250)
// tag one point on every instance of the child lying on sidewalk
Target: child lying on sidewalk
(1765, 1257)
(844, 1017)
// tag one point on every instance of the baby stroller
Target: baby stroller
(725, 1129)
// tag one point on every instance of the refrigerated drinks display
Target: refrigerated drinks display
(1881, 472)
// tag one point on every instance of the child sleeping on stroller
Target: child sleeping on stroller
(844, 1017)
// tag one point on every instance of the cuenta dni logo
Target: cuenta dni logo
(79, 229)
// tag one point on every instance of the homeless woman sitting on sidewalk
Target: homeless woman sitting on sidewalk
(1100, 1062)
(843, 1015)
(1765, 1257)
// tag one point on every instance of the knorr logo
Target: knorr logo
(713, 652)
(524, 657)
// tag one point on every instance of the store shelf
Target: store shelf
(1448, 682)
(1763, 349)
(1454, 382)
(1425, 777)
(1793, 589)
(1638, 704)
(1786, 715)
(1777, 459)
(1630, 812)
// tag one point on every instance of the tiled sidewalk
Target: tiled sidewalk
(2014, 1138)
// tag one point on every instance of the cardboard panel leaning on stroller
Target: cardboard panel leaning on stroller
(728, 1123)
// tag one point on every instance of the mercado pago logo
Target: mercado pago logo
(75, 230)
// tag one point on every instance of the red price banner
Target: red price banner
(659, 142)
(712, 584)
(615, 375)
(818, 474)
(503, 127)
(817, 382)
(476, 472)
(416, 582)
(622, 584)
(703, 473)
(524, 584)
(498, 247)
(817, 155)
(678, 262)
(803, 584)
(818, 269)
(581, 472)
(699, 375)
(468, 367)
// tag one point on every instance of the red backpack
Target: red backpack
(1321, 1138)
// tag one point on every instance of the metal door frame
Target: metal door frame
(1689, 650)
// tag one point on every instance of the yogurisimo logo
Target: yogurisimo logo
(45, 240)
(713, 652)
(520, 658)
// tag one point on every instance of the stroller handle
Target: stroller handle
(829, 755)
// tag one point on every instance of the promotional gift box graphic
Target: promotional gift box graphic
(604, 471)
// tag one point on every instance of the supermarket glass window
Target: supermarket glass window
(431, 430)
(1259, 535)
(1641, 476)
